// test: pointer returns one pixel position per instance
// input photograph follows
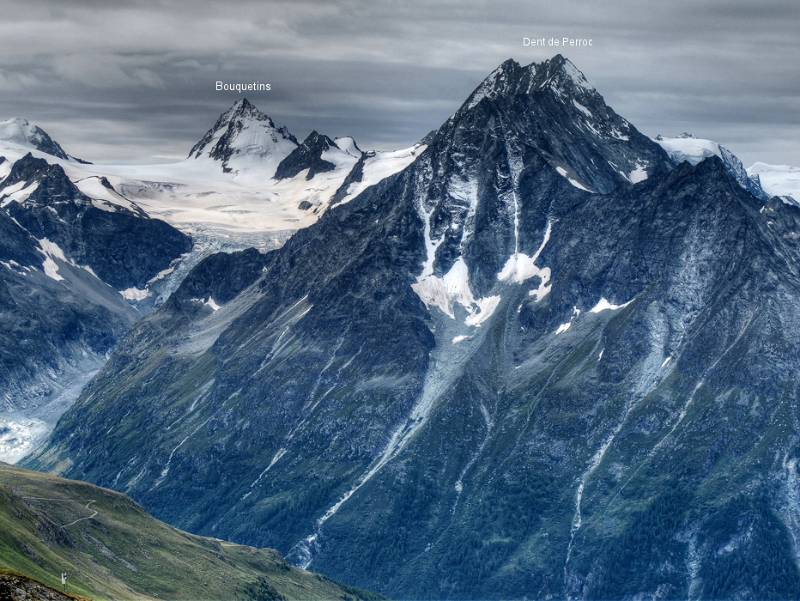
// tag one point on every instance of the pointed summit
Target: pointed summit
(500, 82)
(244, 137)
(562, 73)
(244, 108)
(42, 183)
(243, 104)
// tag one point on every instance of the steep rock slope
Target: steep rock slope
(112, 549)
(477, 379)
(317, 154)
(57, 321)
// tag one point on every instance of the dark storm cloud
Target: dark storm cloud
(136, 79)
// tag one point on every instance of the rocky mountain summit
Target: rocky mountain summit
(124, 247)
(686, 147)
(317, 154)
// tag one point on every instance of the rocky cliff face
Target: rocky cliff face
(317, 154)
(57, 318)
(541, 361)
(692, 150)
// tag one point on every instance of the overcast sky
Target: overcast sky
(135, 80)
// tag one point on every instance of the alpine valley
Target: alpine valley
(537, 354)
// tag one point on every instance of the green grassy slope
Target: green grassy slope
(112, 549)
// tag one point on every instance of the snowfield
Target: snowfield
(196, 196)
(778, 180)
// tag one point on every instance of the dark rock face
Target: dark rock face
(739, 173)
(50, 146)
(222, 276)
(477, 380)
(568, 122)
(125, 249)
(732, 163)
(307, 156)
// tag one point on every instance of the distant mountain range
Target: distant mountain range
(537, 355)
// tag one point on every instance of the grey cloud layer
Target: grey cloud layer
(134, 80)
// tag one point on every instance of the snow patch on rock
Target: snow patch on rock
(51, 251)
(454, 289)
(605, 305)
(135, 294)
(563, 173)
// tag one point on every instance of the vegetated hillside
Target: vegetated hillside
(112, 549)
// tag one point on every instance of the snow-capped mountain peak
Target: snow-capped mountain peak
(23, 133)
(498, 83)
(561, 75)
(245, 139)
(33, 180)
